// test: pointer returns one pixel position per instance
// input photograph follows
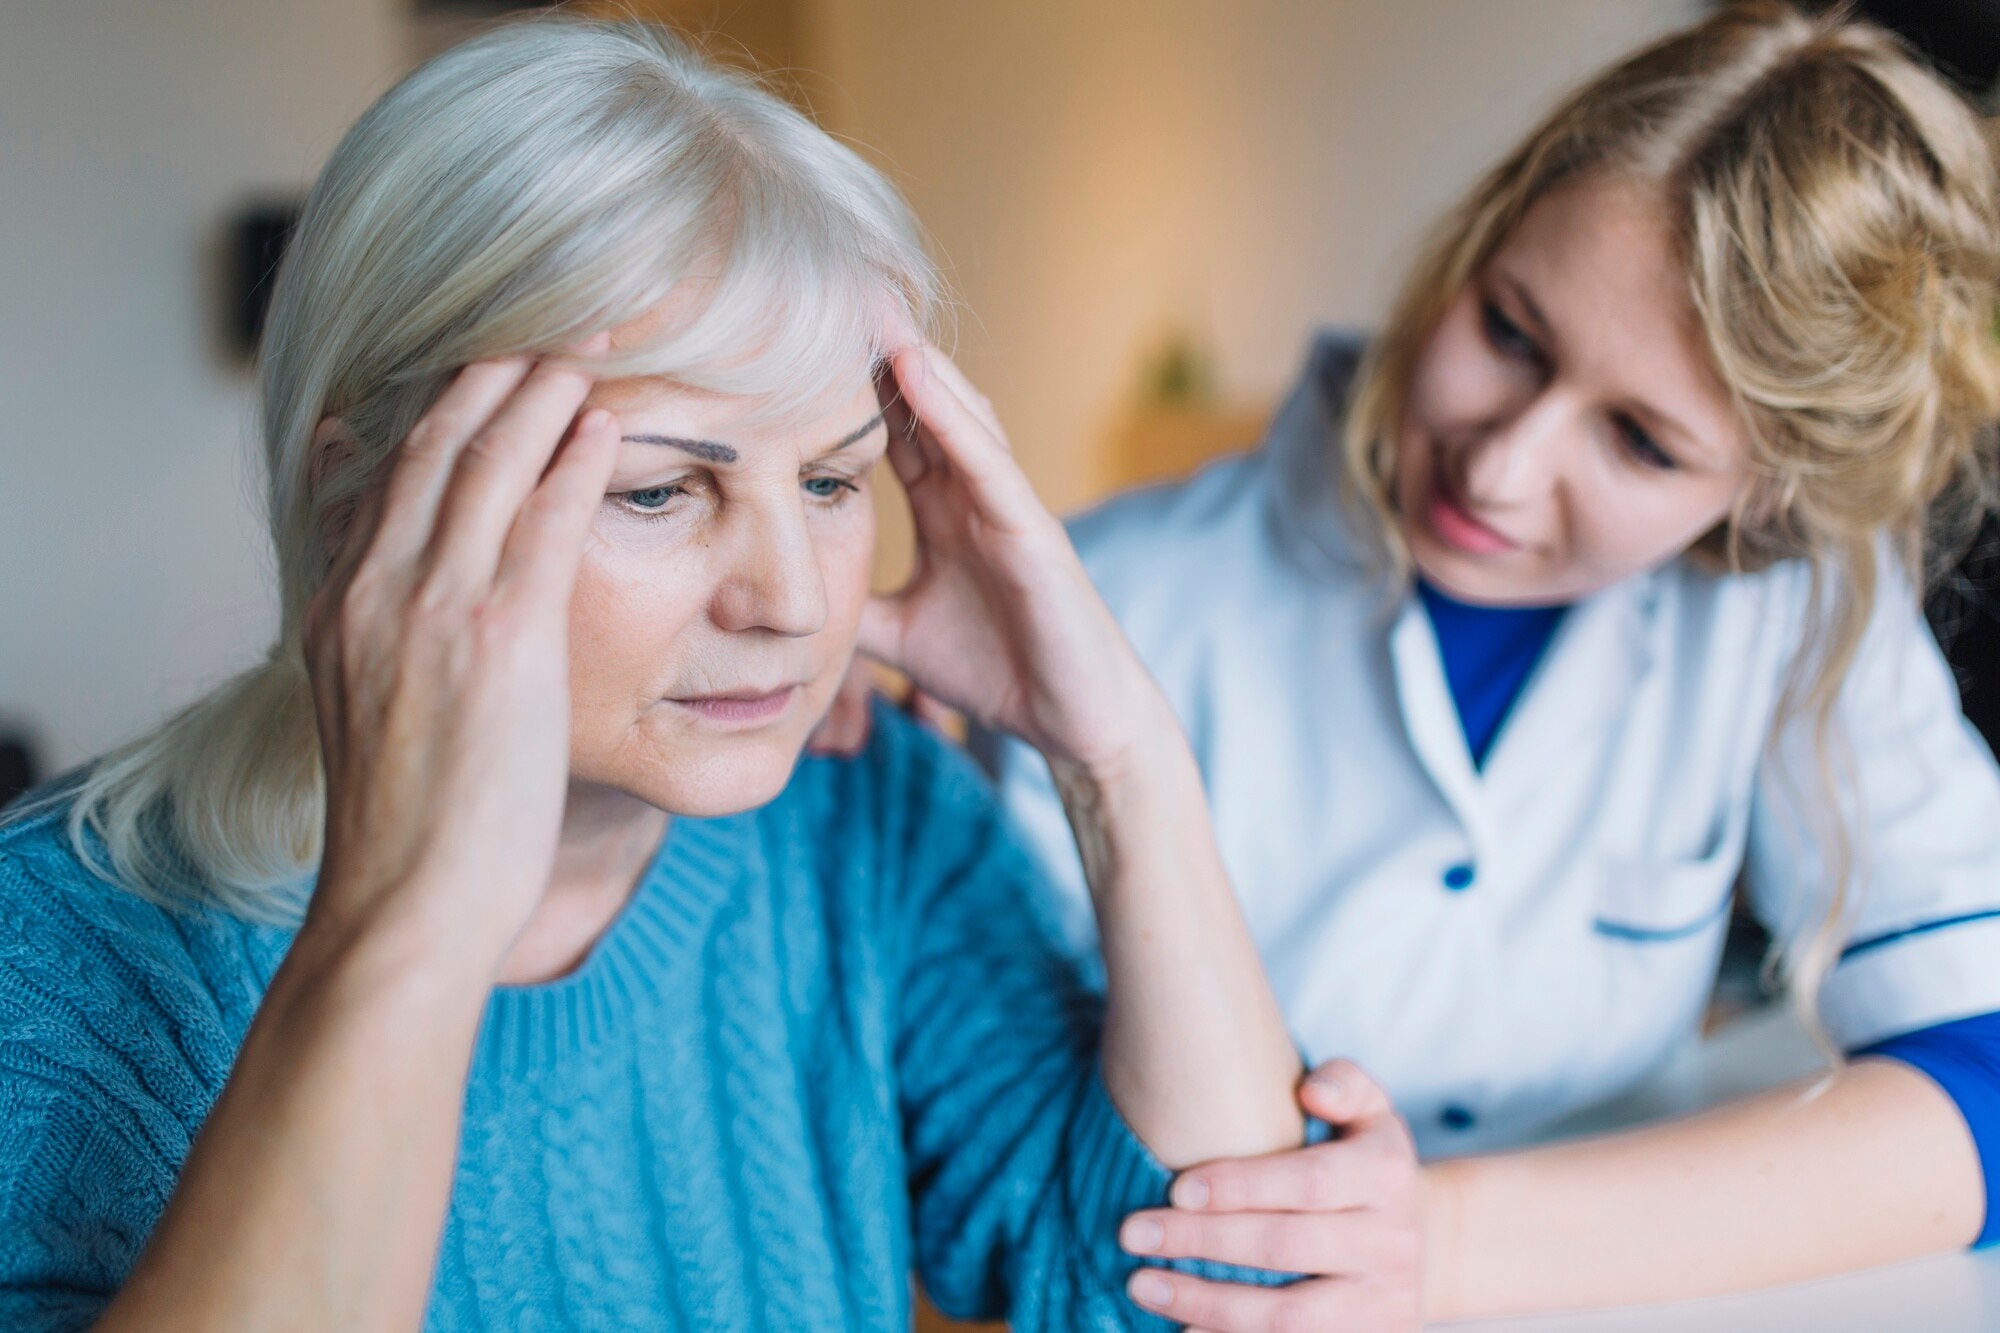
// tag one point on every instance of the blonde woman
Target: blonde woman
(1589, 586)
(486, 958)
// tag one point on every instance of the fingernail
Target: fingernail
(1142, 1236)
(1327, 1084)
(1152, 1290)
(1190, 1192)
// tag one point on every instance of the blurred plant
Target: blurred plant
(1179, 372)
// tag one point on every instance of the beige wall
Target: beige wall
(1095, 172)
(1099, 172)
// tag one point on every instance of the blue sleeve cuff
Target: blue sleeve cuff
(1963, 1058)
(1119, 1175)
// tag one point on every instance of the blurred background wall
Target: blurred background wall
(133, 570)
(1115, 186)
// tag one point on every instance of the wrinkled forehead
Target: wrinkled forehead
(726, 428)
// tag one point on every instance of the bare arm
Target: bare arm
(1002, 621)
(1196, 1054)
(1777, 1187)
(314, 1196)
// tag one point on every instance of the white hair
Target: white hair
(516, 194)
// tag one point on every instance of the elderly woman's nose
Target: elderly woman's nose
(774, 581)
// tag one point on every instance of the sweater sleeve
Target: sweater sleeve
(97, 1105)
(1021, 1168)
(1963, 1058)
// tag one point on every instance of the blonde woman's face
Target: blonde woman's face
(717, 605)
(1564, 428)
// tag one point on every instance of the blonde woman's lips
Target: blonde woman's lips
(1454, 525)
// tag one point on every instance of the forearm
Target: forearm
(1196, 1054)
(1786, 1185)
(315, 1193)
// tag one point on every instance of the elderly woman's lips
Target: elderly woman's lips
(740, 707)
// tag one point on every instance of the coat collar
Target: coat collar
(1599, 654)
(1303, 445)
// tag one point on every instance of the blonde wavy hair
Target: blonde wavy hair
(1833, 204)
(551, 179)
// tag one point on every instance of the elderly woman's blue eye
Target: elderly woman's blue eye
(653, 497)
(827, 488)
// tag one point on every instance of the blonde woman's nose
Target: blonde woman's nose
(1517, 460)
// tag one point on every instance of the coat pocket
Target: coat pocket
(1660, 902)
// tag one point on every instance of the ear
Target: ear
(334, 450)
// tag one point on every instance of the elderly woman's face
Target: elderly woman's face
(716, 609)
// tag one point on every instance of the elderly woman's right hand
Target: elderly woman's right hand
(438, 652)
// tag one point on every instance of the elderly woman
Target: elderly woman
(487, 958)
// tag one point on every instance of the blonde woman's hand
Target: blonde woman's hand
(1350, 1214)
(438, 653)
(999, 619)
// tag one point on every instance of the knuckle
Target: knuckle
(433, 433)
(437, 595)
(484, 450)
(493, 625)
(1320, 1182)
(1289, 1249)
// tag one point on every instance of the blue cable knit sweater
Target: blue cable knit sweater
(825, 1043)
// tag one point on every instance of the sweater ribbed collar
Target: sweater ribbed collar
(644, 955)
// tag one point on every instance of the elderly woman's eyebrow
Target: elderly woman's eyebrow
(708, 451)
(859, 433)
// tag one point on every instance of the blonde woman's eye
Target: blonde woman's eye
(1643, 447)
(1506, 336)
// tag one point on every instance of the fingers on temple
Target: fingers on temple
(424, 464)
(497, 470)
(976, 402)
(971, 447)
(547, 537)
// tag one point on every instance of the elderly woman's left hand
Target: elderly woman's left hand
(1348, 1213)
(999, 619)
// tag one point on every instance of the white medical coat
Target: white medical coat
(1503, 946)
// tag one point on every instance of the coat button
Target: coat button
(1457, 1118)
(1459, 878)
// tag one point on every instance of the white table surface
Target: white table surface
(1953, 1293)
